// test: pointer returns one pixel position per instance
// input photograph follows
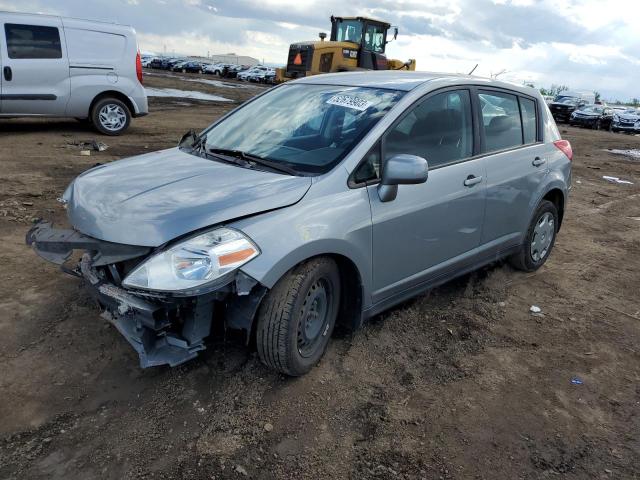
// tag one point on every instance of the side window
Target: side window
(32, 41)
(501, 121)
(439, 129)
(374, 38)
(369, 169)
(529, 120)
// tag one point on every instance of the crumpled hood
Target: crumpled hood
(629, 117)
(153, 198)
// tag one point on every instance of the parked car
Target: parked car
(568, 102)
(626, 121)
(187, 67)
(218, 68)
(326, 200)
(64, 67)
(233, 71)
(261, 75)
(247, 74)
(592, 116)
(158, 63)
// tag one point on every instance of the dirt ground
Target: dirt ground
(463, 382)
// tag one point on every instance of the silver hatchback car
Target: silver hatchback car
(324, 201)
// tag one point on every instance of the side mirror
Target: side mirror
(188, 139)
(401, 170)
(395, 33)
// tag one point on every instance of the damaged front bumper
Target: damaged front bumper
(162, 328)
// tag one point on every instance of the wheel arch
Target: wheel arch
(556, 196)
(112, 94)
(352, 292)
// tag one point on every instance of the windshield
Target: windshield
(591, 109)
(567, 100)
(349, 31)
(309, 128)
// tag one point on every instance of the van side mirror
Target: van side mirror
(401, 169)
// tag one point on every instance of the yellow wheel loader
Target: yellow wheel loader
(357, 43)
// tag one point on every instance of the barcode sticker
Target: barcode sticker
(349, 102)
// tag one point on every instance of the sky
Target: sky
(584, 44)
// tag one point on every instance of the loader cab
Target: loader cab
(368, 36)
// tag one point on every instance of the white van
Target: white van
(63, 67)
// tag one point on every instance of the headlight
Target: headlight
(573, 115)
(194, 263)
(616, 118)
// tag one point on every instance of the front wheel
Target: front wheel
(296, 318)
(540, 238)
(110, 116)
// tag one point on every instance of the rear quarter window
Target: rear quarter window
(91, 47)
(32, 41)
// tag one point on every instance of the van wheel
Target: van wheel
(296, 318)
(541, 237)
(110, 116)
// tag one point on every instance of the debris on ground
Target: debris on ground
(89, 145)
(85, 153)
(268, 427)
(616, 180)
(576, 381)
(241, 470)
(535, 309)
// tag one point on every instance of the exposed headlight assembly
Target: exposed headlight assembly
(194, 264)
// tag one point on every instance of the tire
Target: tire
(110, 116)
(297, 317)
(526, 259)
(597, 125)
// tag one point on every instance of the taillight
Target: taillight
(565, 147)
(139, 67)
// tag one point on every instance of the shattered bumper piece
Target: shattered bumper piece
(163, 329)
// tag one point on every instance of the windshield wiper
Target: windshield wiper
(250, 160)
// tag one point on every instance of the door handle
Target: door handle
(472, 180)
(8, 74)
(538, 161)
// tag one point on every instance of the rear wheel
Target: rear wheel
(110, 116)
(297, 317)
(540, 238)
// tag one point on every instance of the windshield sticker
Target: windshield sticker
(350, 102)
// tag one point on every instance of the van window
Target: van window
(529, 120)
(32, 41)
(439, 130)
(94, 48)
(501, 121)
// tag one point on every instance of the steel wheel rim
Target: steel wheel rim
(543, 234)
(112, 117)
(314, 318)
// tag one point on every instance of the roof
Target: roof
(404, 80)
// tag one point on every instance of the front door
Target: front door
(427, 230)
(35, 70)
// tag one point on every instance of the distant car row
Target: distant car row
(578, 109)
(259, 73)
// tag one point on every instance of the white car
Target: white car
(247, 74)
(65, 67)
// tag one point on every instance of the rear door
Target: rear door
(35, 68)
(516, 162)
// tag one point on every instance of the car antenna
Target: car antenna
(473, 69)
